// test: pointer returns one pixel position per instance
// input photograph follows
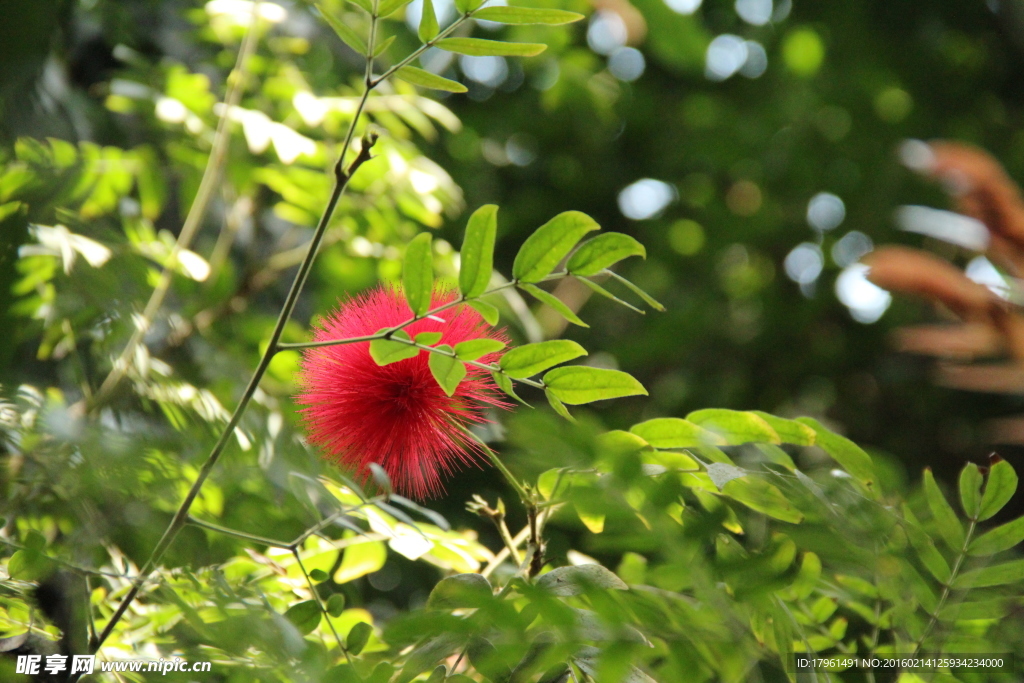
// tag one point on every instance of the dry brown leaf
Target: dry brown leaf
(912, 271)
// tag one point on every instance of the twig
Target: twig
(947, 587)
(497, 515)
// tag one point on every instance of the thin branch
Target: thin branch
(207, 186)
(947, 587)
(262, 540)
(497, 516)
(320, 604)
(342, 177)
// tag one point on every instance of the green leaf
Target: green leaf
(930, 557)
(527, 15)
(29, 564)
(995, 575)
(319, 575)
(982, 609)
(343, 30)
(971, 481)
(479, 47)
(549, 244)
(336, 605)
(361, 559)
(505, 384)
(304, 615)
(488, 312)
(472, 349)
(555, 303)
(428, 22)
(418, 273)
(477, 255)
(807, 577)
(674, 432)
(650, 300)
(734, 426)
(558, 406)
(425, 79)
(605, 250)
(366, 5)
(465, 6)
(790, 431)
(999, 489)
(427, 338)
(531, 359)
(358, 637)
(388, 351)
(849, 455)
(579, 384)
(999, 539)
(381, 47)
(608, 295)
(759, 495)
(460, 591)
(388, 7)
(447, 370)
(567, 581)
(949, 526)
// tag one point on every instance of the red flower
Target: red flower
(395, 415)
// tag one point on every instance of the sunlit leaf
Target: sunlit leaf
(418, 273)
(849, 455)
(361, 559)
(488, 312)
(428, 22)
(579, 384)
(447, 370)
(527, 15)
(425, 79)
(734, 426)
(549, 244)
(477, 255)
(472, 349)
(555, 303)
(387, 351)
(674, 432)
(558, 406)
(759, 495)
(428, 338)
(480, 47)
(603, 251)
(343, 30)
(530, 359)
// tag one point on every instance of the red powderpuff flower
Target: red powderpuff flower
(395, 415)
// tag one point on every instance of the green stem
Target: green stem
(523, 495)
(948, 587)
(180, 518)
(323, 608)
(239, 534)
